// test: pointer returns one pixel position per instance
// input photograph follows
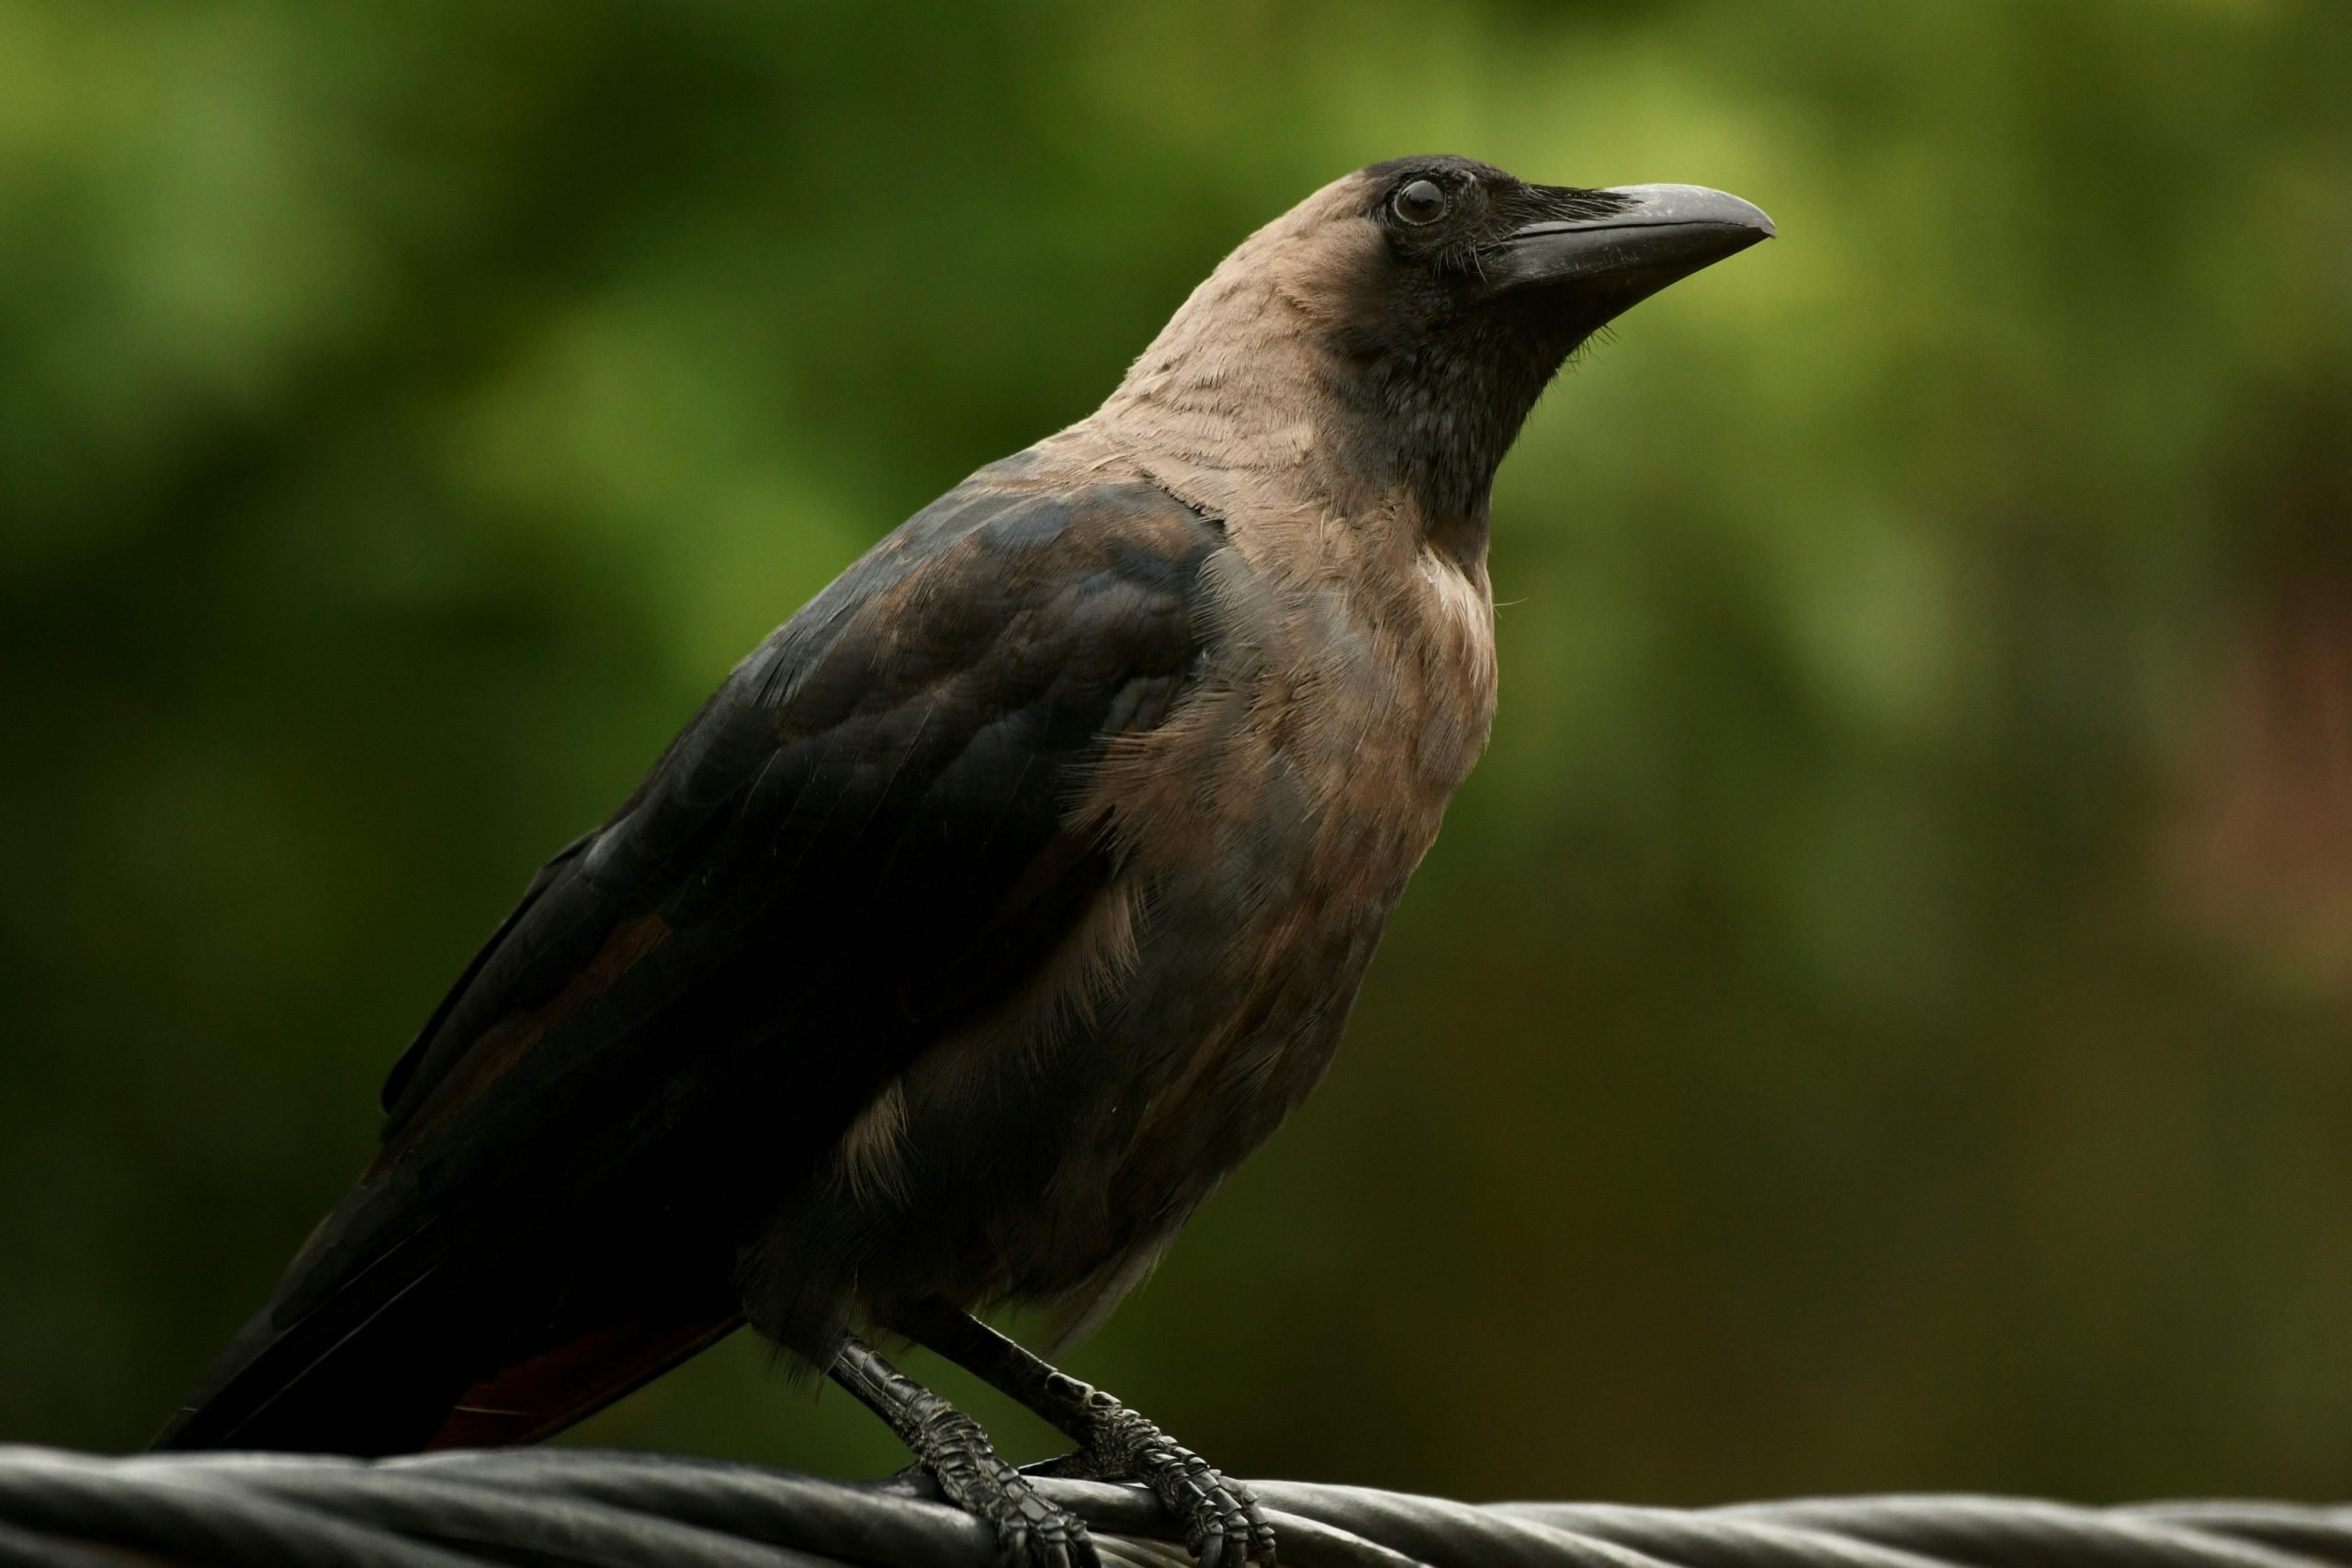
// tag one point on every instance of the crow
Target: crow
(1000, 902)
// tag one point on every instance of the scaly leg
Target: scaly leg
(1031, 1533)
(1221, 1518)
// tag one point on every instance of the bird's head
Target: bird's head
(1395, 328)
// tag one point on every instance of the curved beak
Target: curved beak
(1660, 234)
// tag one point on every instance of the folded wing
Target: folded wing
(869, 832)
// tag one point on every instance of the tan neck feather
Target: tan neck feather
(1227, 407)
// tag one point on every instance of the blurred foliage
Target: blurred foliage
(1877, 1017)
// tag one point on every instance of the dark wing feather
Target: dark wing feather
(867, 833)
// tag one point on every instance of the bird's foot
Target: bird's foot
(1030, 1531)
(949, 1445)
(1222, 1520)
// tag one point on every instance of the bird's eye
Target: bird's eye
(1419, 202)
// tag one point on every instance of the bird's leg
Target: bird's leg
(1221, 1518)
(1031, 1533)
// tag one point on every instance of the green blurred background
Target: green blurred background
(1877, 1017)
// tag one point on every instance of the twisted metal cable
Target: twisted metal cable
(560, 1507)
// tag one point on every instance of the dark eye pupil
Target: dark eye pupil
(1420, 202)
